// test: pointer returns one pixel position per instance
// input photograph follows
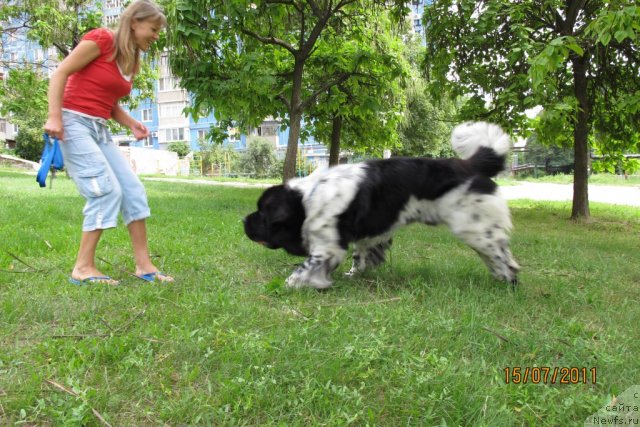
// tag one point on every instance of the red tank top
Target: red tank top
(96, 88)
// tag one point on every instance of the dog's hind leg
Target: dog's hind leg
(369, 254)
(497, 256)
(315, 271)
(494, 252)
(484, 225)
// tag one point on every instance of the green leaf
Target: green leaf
(576, 48)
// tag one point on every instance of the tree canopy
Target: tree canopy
(578, 59)
(50, 23)
(361, 114)
(58, 24)
(24, 95)
(250, 60)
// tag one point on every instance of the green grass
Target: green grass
(424, 340)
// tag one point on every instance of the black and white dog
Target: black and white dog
(320, 215)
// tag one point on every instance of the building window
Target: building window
(113, 4)
(268, 130)
(164, 62)
(146, 142)
(171, 109)
(168, 83)
(110, 20)
(234, 134)
(174, 134)
(147, 115)
(202, 135)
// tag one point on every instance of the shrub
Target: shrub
(29, 143)
(214, 159)
(180, 147)
(260, 159)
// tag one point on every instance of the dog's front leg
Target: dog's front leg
(315, 271)
(369, 254)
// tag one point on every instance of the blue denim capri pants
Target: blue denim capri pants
(101, 173)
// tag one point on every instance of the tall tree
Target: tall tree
(50, 23)
(24, 95)
(361, 114)
(578, 59)
(58, 24)
(425, 128)
(247, 60)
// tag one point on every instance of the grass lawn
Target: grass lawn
(424, 340)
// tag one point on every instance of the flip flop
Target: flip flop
(153, 277)
(94, 280)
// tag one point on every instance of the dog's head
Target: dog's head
(278, 221)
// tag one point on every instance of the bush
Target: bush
(4, 149)
(260, 159)
(29, 144)
(180, 147)
(214, 159)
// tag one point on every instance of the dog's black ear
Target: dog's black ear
(280, 204)
(289, 208)
(274, 204)
(280, 213)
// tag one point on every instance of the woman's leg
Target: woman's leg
(134, 209)
(88, 167)
(85, 262)
(144, 265)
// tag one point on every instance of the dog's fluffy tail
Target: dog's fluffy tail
(484, 145)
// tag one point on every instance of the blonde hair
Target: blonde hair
(126, 52)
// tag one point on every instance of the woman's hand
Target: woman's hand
(139, 130)
(53, 127)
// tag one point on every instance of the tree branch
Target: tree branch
(574, 9)
(269, 40)
(340, 78)
(285, 101)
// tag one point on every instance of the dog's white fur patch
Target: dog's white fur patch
(468, 137)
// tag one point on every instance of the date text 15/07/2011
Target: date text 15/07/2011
(549, 375)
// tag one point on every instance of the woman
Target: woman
(83, 94)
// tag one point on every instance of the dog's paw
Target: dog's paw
(296, 281)
(293, 283)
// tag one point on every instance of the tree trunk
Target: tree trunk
(334, 148)
(295, 117)
(292, 148)
(580, 209)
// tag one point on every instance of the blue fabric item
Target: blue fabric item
(51, 158)
(150, 277)
(94, 279)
